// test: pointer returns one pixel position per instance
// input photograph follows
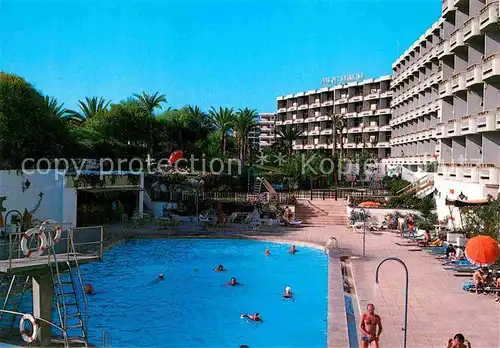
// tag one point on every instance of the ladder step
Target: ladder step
(74, 315)
(66, 294)
(68, 327)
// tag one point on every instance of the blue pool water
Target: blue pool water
(192, 307)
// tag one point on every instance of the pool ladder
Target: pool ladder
(69, 293)
(106, 339)
(16, 286)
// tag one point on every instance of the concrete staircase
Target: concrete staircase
(322, 212)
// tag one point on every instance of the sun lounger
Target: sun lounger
(407, 244)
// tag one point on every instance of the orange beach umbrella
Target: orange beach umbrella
(482, 250)
(369, 204)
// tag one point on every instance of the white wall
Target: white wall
(471, 190)
(58, 202)
(379, 214)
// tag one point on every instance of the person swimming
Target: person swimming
(288, 293)
(220, 268)
(89, 290)
(158, 279)
(161, 276)
(292, 250)
(233, 282)
(267, 252)
(256, 317)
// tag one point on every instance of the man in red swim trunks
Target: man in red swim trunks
(370, 327)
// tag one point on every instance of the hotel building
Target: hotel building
(364, 105)
(266, 130)
(447, 98)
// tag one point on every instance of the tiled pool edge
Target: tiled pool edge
(338, 336)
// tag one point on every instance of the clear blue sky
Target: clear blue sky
(229, 53)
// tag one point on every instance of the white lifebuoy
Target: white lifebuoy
(58, 229)
(24, 242)
(34, 327)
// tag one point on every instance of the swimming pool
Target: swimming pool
(193, 308)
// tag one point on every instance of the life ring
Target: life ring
(58, 229)
(34, 326)
(24, 242)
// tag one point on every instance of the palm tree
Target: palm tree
(88, 109)
(338, 124)
(55, 108)
(223, 120)
(150, 102)
(287, 135)
(245, 122)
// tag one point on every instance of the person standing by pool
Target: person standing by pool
(370, 327)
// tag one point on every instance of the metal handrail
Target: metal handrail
(106, 339)
(413, 184)
(44, 320)
(80, 279)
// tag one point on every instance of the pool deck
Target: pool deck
(438, 307)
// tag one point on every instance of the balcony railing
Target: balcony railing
(458, 82)
(310, 119)
(303, 106)
(356, 98)
(375, 95)
(456, 39)
(351, 114)
(488, 17)
(327, 103)
(474, 75)
(468, 125)
(447, 6)
(326, 131)
(471, 29)
(366, 113)
(491, 66)
(445, 89)
(357, 129)
(341, 101)
(486, 121)
(444, 49)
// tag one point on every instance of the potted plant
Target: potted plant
(15, 224)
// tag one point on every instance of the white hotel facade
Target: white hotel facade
(446, 104)
(366, 106)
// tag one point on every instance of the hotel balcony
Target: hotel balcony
(315, 105)
(355, 130)
(458, 82)
(383, 144)
(365, 113)
(491, 67)
(488, 175)
(292, 108)
(488, 16)
(452, 129)
(447, 7)
(298, 120)
(468, 125)
(384, 111)
(326, 132)
(310, 119)
(386, 128)
(442, 170)
(322, 118)
(298, 147)
(303, 134)
(281, 110)
(370, 129)
(351, 114)
(285, 122)
(471, 29)
(486, 121)
(452, 172)
(309, 147)
(340, 101)
(279, 123)
(313, 132)
(474, 75)
(327, 103)
(356, 98)
(444, 49)
(387, 94)
(469, 173)
(371, 96)
(440, 130)
(304, 106)
(350, 145)
(322, 146)
(456, 40)
(445, 89)
(498, 119)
